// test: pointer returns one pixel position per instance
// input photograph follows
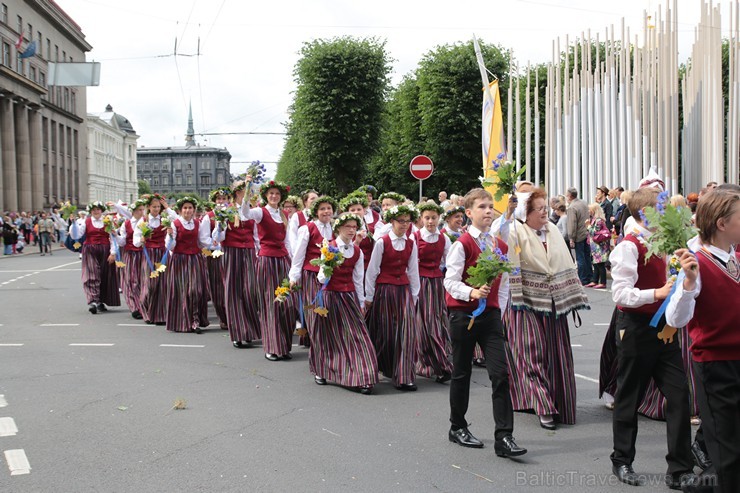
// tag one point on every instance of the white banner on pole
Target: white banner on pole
(74, 74)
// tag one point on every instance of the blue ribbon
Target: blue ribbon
(664, 306)
(164, 257)
(481, 302)
(148, 260)
(116, 248)
(300, 310)
(319, 300)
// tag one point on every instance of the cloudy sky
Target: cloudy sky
(243, 79)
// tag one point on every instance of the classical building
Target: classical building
(188, 168)
(43, 137)
(111, 157)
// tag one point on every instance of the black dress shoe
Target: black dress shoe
(626, 474)
(407, 387)
(92, 308)
(702, 483)
(288, 356)
(272, 357)
(701, 458)
(548, 424)
(196, 330)
(479, 362)
(136, 315)
(149, 322)
(224, 326)
(319, 380)
(237, 344)
(443, 378)
(366, 390)
(463, 437)
(507, 447)
(160, 323)
(678, 481)
(102, 307)
(247, 344)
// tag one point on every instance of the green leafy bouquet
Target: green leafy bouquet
(225, 214)
(491, 264)
(672, 225)
(507, 176)
(68, 210)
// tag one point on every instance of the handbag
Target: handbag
(603, 234)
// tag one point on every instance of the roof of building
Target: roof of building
(110, 117)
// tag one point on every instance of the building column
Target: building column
(23, 157)
(37, 164)
(10, 179)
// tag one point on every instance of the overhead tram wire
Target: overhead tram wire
(242, 133)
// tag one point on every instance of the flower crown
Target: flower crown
(393, 196)
(137, 203)
(452, 211)
(294, 199)
(429, 206)
(188, 200)
(225, 191)
(149, 198)
(238, 185)
(324, 199)
(282, 187)
(400, 210)
(368, 189)
(355, 198)
(347, 216)
(96, 205)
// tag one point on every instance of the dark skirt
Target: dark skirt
(242, 294)
(277, 319)
(187, 285)
(153, 290)
(310, 286)
(131, 280)
(99, 278)
(216, 267)
(433, 336)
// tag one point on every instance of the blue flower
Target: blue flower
(333, 249)
(663, 198)
(501, 155)
(516, 271)
(496, 165)
(644, 219)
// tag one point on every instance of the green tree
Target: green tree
(336, 115)
(144, 187)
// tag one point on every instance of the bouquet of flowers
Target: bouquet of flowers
(330, 259)
(453, 236)
(225, 214)
(68, 210)
(507, 176)
(257, 171)
(166, 221)
(490, 264)
(109, 224)
(146, 230)
(284, 290)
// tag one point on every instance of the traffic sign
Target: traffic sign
(421, 167)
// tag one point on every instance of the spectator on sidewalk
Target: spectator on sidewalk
(10, 235)
(46, 229)
(578, 234)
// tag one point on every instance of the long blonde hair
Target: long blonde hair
(596, 211)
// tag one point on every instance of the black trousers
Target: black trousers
(488, 332)
(641, 355)
(718, 393)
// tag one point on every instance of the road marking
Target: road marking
(59, 325)
(8, 427)
(180, 345)
(602, 325)
(133, 325)
(63, 265)
(11, 345)
(576, 345)
(3, 402)
(91, 344)
(589, 379)
(17, 462)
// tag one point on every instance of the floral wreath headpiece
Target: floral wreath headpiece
(225, 191)
(96, 205)
(393, 196)
(452, 211)
(188, 200)
(354, 198)
(429, 206)
(152, 197)
(295, 200)
(324, 199)
(136, 204)
(368, 189)
(347, 216)
(400, 210)
(282, 187)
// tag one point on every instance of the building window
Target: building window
(66, 98)
(189, 180)
(178, 180)
(32, 69)
(189, 166)
(205, 181)
(41, 45)
(42, 79)
(178, 166)
(19, 64)
(64, 55)
(5, 13)
(56, 53)
(206, 165)
(20, 25)
(220, 179)
(155, 181)
(165, 180)
(29, 33)
(6, 54)
(48, 48)
(73, 109)
(165, 167)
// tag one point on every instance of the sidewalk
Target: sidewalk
(34, 250)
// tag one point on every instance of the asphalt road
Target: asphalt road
(92, 399)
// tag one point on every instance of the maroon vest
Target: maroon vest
(156, 240)
(341, 279)
(366, 245)
(649, 276)
(241, 236)
(393, 265)
(371, 226)
(129, 246)
(211, 215)
(272, 236)
(187, 240)
(302, 221)
(472, 252)
(430, 256)
(95, 236)
(313, 251)
(714, 328)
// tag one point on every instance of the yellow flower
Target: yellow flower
(77, 245)
(216, 253)
(206, 252)
(153, 274)
(161, 268)
(321, 311)
(329, 256)
(120, 264)
(324, 251)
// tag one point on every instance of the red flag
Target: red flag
(19, 42)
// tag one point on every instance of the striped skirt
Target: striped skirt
(131, 279)
(432, 323)
(391, 323)
(153, 291)
(99, 278)
(310, 286)
(341, 349)
(541, 369)
(187, 285)
(216, 278)
(277, 319)
(242, 294)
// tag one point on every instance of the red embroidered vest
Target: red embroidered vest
(472, 252)
(430, 256)
(393, 265)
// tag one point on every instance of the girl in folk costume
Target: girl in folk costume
(99, 276)
(221, 197)
(370, 217)
(291, 206)
(307, 248)
(342, 351)
(543, 293)
(301, 218)
(273, 263)
(153, 292)
(187, 279)
(391, 291)
(240, 280)
(452, 220)
(431, 312)
(133, 258)
(711, 268)
(357, 203)
(389, 200)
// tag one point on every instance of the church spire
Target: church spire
(190, 137)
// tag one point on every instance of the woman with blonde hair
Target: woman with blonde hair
(679, 201)
(599, 238)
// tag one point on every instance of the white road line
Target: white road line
(180, 345)
(8, 427)
(133, 325)
(91, 344)
(11, 345)
(602, 325)
(3, 402)
(576, 345)
(63, 265)
(59, 325)
(17, 462)
(589, 379)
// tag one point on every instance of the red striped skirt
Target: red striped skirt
(341, 349)
(432, 322)
(99, 278)
(277, 319)
(310, 286)
(153, 291)
(391, 323)
(241, 293)
(216, 279)
(542, 377)
(131, 279)
(187, 285)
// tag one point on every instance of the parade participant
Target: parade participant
(387, 201)
(638, 288)
(187, 279)
(292, 205)
(712, 276)
(301, 218)
(486, 330)
(307, 248)
(452, 220)
(543, 293)
(153, 291)
(391, 292)
(341, 350)
(241, 290)
(99, 276)
(371, 218)
(222, 198)
(432, 321)
(357, 203)
(273, 263)
(133, 259)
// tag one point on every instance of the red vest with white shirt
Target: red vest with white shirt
(272, 236)
(313, 249)
(430, 256)
(95, 236)
(472, 252)
(186, 242)
(129, 246)
(341, 279)
(394, 263)
(649, 276)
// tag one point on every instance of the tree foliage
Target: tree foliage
(144, 187)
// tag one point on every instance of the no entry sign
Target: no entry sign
(421, 167)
